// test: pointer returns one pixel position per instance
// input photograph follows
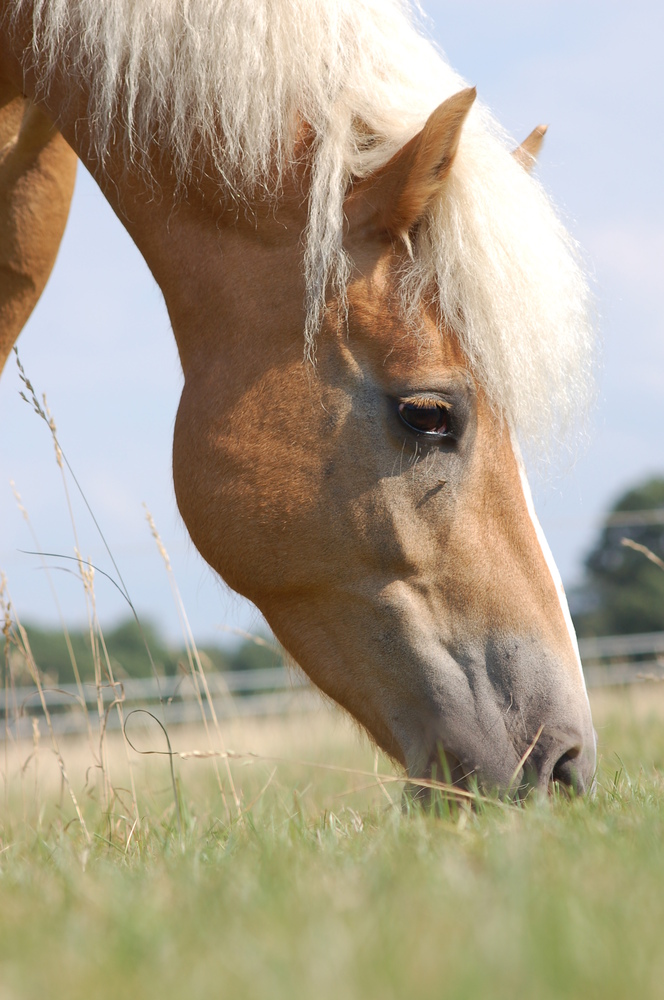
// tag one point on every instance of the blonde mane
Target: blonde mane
(228, 81)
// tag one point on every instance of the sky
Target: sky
(99, 343)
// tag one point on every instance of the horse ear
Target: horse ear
(527, 152)
(398, 193)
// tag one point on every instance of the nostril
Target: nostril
(566, 771)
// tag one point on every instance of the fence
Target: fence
(623, 659)
(607, 661)
(173, 700)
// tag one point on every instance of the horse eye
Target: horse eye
(426, 417)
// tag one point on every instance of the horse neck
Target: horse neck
(220, 265)
(232, 281)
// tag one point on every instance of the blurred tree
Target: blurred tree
(126, 650)
(125, 646)
(257, 654)
(624, 591)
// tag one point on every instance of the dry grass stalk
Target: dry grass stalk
(644, 550)
(525, 757)
(196, 671)
(379, 779)
(86, 573)
(15, 633)
(54, 594)
(104, 677)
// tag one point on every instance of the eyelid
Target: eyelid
(426, 402)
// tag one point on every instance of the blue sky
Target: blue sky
(99, 342)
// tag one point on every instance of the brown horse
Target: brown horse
(284, 170)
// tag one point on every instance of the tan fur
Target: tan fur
(528, 151)
(405, 576)
(37, 171)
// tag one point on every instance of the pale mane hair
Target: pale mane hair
(228, 81)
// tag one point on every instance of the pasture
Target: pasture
(324, 887)
(355, 263)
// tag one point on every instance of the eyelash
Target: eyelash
(427, 416)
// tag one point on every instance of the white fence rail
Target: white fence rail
(173, 700)
(623, 659)
(607, 661)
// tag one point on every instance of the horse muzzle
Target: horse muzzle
(509, 728)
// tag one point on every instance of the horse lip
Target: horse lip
(442, 771)
(444, 768)
(561, 759)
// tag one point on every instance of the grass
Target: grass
(264, 877)
(323, 890)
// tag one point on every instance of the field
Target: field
(324, 886)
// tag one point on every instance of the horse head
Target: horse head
(373, 503)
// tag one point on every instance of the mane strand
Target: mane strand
(228, 80)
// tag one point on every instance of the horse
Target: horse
(375, 305)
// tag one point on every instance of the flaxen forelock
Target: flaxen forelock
(229, 80)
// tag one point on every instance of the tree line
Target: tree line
(125, 645)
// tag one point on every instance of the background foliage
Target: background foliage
(126, 649)
(623, 592)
